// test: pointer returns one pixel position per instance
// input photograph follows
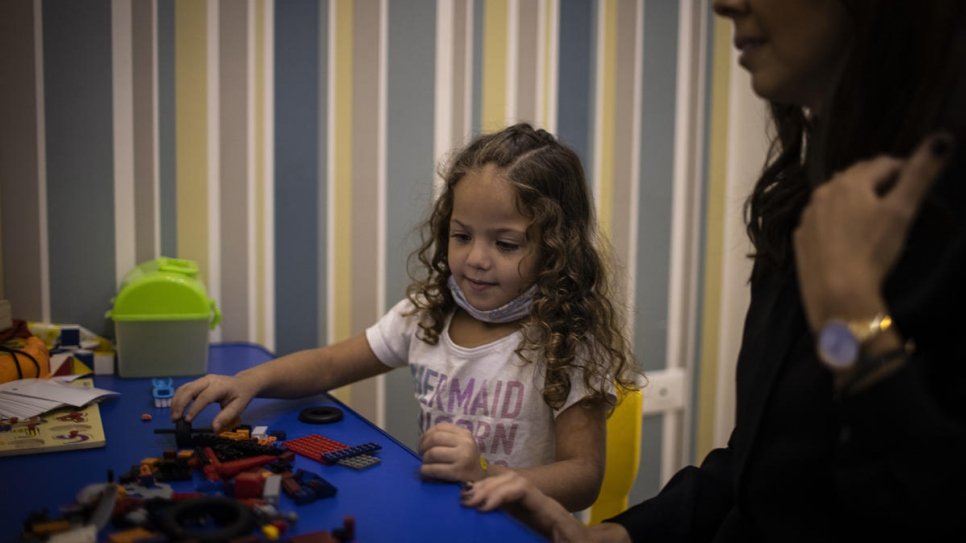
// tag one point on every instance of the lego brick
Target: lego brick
(317, 447)
(163, 391)
(272, 489)
(70, 336)
(249, 485)
(359, 462)
(348, 452)
(314, 446)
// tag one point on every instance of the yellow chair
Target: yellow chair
(623, 458)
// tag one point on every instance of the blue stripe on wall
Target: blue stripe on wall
(301, 64)
(80, 160)
(575, 75)
(654, 205)
(166, 145)
(409, 167)
(476, 102)
(657, 177)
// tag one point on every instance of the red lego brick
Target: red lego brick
(314, 446)
(249, 485)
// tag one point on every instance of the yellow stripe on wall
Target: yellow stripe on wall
(714, 218)
(549, 22)
(608, 96)
(342, 189)
(493, 115)
(191, 130)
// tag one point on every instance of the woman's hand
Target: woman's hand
(523, 500)
(232, 393)
(450, 453)
(854, 227)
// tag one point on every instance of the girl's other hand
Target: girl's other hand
(519, 497)
(232, 393)
(854, 227)
(450, 452)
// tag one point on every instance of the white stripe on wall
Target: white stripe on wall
(383, 92)
(251, 173)
(445, 85)
(683, 282)
(547, 41)
(124, 244)
(268, 163)
(214, 160)
(746, 149)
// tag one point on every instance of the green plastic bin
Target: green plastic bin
(162, 316)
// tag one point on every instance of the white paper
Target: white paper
(31, 397)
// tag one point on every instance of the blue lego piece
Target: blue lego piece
(163, 391)
(311, 487)
(70, 336)
(335, 456)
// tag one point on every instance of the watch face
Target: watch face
(837, 345)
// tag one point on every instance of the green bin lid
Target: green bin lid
(164, 289)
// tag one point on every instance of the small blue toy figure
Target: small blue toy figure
(163, 391)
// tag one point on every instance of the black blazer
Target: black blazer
(802, 465)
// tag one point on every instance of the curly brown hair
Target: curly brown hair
(572, 322)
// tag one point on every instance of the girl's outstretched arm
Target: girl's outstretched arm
(294, 375)
(449, 452)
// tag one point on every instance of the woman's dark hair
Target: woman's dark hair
(902, 79)
(573, 322)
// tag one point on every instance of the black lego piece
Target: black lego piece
(206, 519)
(320, 414)
(183, 433)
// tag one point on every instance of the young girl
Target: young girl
(513, 344)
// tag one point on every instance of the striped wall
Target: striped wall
(290, 148)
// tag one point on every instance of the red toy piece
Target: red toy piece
(248, 484)
(325, 450)
(314, 446)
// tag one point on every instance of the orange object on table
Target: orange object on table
(23, 358)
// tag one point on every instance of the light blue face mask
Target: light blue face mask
(513, 310)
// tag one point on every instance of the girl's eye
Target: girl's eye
(507, 246)
(460, 237)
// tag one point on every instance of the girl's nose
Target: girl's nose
(479, 256)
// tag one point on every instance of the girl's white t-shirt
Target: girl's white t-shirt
(487, 389)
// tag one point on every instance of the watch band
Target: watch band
(858, 379)
(866, 330)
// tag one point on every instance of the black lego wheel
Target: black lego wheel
(207, 519)
(321, 414)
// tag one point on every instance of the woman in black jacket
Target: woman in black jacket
(851, 380)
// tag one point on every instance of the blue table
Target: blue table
(390, 501)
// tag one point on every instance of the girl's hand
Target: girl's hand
(854, 227)
(450, 453)
(523, 500)
(232, 393)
